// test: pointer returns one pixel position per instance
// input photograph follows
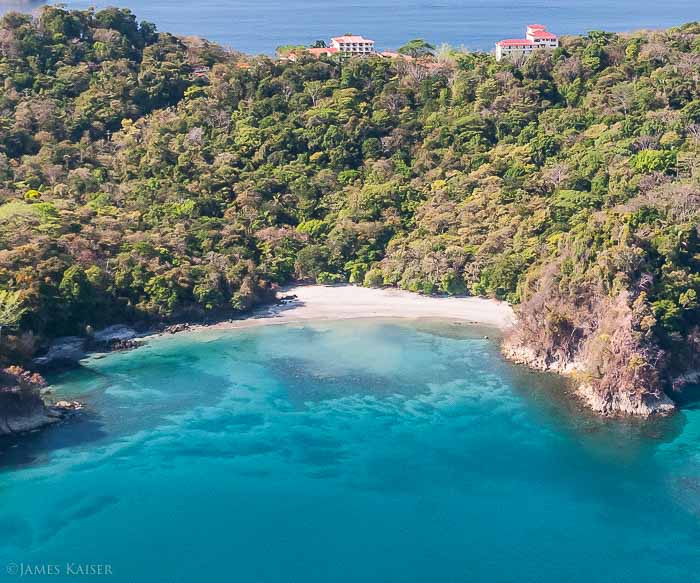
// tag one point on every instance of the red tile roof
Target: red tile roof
(351, 39)
(509, 42)
(544, 35)
(537, 26)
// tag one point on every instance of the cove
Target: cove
(358, 450)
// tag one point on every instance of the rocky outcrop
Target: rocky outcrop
(538, 360)
(118, 337)
(114, 333)
(620, 399)
(22, 407)
(63, 352)
(625, 401)
(68, 351)
(606, 344)
(177, 328)
(22, 410)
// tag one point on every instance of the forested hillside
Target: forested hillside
(131, 188)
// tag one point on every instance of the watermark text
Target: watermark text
(58, 569)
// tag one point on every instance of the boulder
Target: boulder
(118, 332)
(66, 351)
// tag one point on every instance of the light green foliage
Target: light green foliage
(11, 308)
(374, 278)
(16, 208)
(653, 161)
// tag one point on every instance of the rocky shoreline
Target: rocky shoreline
(625, 401)
(66, 352)
(24, 407)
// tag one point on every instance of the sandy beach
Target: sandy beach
(318, 302)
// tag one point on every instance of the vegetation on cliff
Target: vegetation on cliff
(132, 188)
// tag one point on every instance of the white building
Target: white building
(352, 45)
(537, 38)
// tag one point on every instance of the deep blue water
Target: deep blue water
(345, 452)
(259, 26)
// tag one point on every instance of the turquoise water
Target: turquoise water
(343, 452)
(259, 26)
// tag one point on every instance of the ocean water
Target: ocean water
(373, 451)
(259, 26)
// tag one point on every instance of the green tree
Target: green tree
(11, 309)
(417, 48)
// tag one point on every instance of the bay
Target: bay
(347, 451)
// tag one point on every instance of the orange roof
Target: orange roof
(537, 26)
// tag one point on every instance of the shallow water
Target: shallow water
(347, 451)
(259, 26)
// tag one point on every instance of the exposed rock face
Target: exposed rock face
(115, 333)
(625, 402)
(21, 405)
(541, 361)
(68, 351)
(606, 343)
(623, 399)
(118, 337)
(63, 352)
(22, 408)
(176, 328)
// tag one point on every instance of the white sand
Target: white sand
(318, 302)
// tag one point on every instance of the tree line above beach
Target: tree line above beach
(132, 188)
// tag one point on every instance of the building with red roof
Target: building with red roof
(537, 37)
(351, 44)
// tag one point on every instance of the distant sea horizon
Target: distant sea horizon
(260, 26)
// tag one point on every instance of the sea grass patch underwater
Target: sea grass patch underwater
(344, 451)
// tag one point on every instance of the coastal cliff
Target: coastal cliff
(616, 366)
(631, 399)
(21, 406)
